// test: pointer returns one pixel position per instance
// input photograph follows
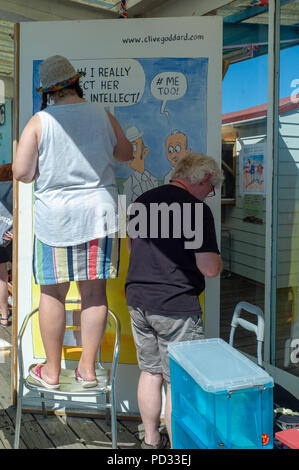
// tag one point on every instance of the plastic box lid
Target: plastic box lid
(216, 366)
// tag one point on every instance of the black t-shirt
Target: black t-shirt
(162, 275)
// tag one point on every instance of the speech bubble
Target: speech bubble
(167, 86)
(112, 82)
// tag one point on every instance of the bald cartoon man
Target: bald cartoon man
(141, 180)
(176, 148)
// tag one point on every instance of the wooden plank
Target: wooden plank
(289, 129)
(288, 181)
(236, 212)
(285, 243)
(289, 154)
(289, 118)
(12, 411)
(90, 435)
(288, 218)
(7, 436)
(133, 426)
(4, 419)
(288, 269)
(248, 249)
(289, 141)
(247, 271)
(238, 224)
(49, 10)
(288, 205)
(58, 433)
(290, 280)
(34, 436)
(247, 260)
(125, 440)
(291, 194)
(287, 168)
(247, 237)
(288, 231)
(5, 390)
(32, 433)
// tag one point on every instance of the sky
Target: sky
(245, 83)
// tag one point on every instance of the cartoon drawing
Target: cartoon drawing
(176, 148)
(141, 180)
(167, 92)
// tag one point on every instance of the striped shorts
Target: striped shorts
(96, 259)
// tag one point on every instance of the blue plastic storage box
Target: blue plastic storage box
(220, 399)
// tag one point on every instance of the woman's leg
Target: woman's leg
(3, 293)
(93, 323)
(52, 328)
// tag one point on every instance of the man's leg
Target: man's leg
(52, 328)
(150, 383)
(93, 323)
(167, 411)
(150, 403)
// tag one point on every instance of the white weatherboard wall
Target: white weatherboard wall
(102, 39)
(248, 239)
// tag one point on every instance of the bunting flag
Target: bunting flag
(123, 11)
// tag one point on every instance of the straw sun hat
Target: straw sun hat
(57, 72)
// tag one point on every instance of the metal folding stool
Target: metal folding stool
(69, 387)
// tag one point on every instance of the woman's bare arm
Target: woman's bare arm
(123, 151)
(26, 158)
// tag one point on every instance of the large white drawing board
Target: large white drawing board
(161, 78)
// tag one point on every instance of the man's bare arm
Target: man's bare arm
(209, 264)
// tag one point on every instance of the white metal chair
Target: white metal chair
(257, 329)
(69, 387)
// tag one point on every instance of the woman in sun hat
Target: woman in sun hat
(69, 150)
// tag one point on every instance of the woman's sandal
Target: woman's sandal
(37, 376)
(6, 320)
(85, 383)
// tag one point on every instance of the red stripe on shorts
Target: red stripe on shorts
(92, 259)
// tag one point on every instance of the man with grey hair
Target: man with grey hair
(165, 278)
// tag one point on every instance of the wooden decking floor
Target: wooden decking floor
(58, 431)
(77, 432)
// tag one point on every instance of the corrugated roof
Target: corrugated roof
(257, 112)
(245, 22)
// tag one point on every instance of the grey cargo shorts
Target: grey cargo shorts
(153, 332)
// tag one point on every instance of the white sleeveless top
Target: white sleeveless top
(75, 186)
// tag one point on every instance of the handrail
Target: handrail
(257, 329)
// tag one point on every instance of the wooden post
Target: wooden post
(15, 113)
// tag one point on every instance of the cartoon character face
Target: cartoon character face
(140, 152)
(176, 147)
